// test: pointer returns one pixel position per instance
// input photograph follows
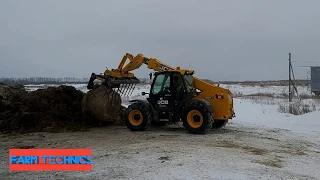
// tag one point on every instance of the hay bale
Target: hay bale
(102, 103)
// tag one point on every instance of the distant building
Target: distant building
(315, 80)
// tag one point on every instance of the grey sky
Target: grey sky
(222, 40)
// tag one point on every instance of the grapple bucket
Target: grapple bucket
(124, 86)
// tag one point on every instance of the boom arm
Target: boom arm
(137, 61)
(156, 65)
(122, 74)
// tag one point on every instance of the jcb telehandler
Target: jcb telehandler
(175, 95)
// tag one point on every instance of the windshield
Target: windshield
(162, 80)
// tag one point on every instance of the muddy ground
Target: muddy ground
(234, 152)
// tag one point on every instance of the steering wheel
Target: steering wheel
(166, 89)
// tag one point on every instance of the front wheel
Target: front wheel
(196, 119)
(137, 117)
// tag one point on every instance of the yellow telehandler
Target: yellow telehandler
(175, 95)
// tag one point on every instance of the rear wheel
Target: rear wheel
(197, 119)
(217, 124)
(137, 117)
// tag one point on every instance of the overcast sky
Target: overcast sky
(222, 40)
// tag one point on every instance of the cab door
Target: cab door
(161, 92)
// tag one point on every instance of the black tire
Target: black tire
(197, 127)
(217, 124)
(137, 117)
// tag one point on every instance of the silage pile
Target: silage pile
(54, 109)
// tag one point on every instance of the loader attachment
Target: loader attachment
(124, 85)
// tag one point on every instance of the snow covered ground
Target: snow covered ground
(274, 90)
(259, 143)
(33, 87)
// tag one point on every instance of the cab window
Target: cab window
(190, 83)
(161, 81)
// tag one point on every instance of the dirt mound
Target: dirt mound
(57, 109)
(52, 109)
(103, 104)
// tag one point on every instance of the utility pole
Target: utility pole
(290, 93)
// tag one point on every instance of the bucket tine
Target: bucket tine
(121, 89)
(124, 89)
(127, 89)
(122, 86)
(132, 88)
(117, 90)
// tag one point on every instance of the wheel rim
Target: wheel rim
(135, 117)
(195, 119)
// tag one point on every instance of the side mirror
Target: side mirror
(144, 93)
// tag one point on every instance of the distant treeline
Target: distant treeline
(43, 80)
(262, 83)
(50, 80)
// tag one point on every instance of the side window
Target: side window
(178, 84)
(161, 81)
(190, 83)
(167, 82)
